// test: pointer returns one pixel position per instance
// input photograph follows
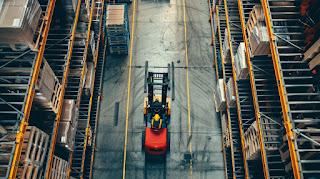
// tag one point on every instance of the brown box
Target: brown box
(48, 89)
(34, 149)
(59, 168)
(19, 21)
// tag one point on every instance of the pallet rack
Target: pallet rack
(62, 39)
(278, 95)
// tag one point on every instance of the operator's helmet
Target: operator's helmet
(156, 117)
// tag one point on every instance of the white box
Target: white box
(240, 62)
(220, 95)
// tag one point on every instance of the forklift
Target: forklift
(157, 114)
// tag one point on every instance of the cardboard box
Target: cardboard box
(19, 21)
(66, 135)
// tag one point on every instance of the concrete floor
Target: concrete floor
(159, 39)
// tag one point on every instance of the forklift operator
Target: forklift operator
(156, 121)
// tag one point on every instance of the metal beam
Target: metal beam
(282, 92)
(31, 92)
(254, 92)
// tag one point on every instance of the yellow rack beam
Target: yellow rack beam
(236, 92)
(215, 61)
(225, 95)
(101, 36)
(31, 91)
(254, 92)
(91, 95)
(61, 97)
(282, 92)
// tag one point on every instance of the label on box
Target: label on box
(16, 22)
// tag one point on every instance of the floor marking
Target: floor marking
(128, 94)
(187, 78)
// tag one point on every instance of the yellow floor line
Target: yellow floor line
(187, 78)
(129, 91)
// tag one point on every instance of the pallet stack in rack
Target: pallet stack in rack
(20, 67)
(59, 168)
(117, 29)
(280, 134)
(34, 150)
(48, 89)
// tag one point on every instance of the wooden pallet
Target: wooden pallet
(59, 168)
(34, 150)
(48, 89)
(252, 147)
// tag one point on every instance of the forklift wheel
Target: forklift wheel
(143, 139)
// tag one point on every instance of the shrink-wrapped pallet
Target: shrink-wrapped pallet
(231, 97)
(48, 88)
(70, 112)
(240, 62)
(89, 82)
(19, 21)
(226, 47)
(66, 135)
(220, 95)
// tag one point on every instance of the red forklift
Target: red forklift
(157, 112)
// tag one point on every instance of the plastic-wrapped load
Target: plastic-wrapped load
(240, 62)
(68, 124)
(226, 47)
(220, 95)
(66, 134)
(48, 89)
(88, 86)
(231, 97)
(19, 21)
(70, 112)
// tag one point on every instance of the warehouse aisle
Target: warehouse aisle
(159, 38)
